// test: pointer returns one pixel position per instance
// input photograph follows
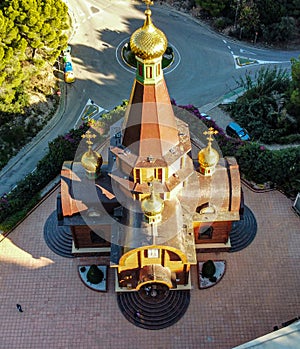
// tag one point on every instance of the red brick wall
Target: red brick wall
(82, 236)
(220, 232)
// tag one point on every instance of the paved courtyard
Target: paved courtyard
(260, 289)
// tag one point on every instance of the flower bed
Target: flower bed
(83, 273)
(206, 282)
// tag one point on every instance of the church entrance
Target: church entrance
(154, 292)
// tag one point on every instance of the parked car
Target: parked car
(69, 75)
(207, 117)
(67, 50)
(235, 130)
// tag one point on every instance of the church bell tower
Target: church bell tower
(151, 169)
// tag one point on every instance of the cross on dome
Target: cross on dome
(211, 131)
(148, 3)
(91, 160)
(89, 135)
(208, 157)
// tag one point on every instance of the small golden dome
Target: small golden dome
(152, 205)
(91, 161)
(208, 157)
(148, 41)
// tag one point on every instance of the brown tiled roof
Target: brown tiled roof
(78, 193)
(150, 127)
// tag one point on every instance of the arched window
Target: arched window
(205, 208)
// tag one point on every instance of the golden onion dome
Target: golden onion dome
(91, 161)
(208, 157)
(152, 205)
(148, 41)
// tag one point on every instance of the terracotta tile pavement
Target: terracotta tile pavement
(260, 289)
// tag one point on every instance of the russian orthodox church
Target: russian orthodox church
(142, 197)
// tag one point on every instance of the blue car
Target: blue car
(235, 130)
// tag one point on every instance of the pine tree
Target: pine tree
(32, 33)
(12, 53)
(214, 8)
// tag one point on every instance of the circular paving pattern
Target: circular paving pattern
(155, 308)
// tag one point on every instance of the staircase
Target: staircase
(154, 312)
(58, 238)
(243, 231)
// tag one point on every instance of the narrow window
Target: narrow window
(141, 70)
(158, 69)
(137, 175)
(159, 174)
(149, 72)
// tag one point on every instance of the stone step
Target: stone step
(58, 238)
(154, 315)
(243, 232)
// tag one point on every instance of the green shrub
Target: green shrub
(262, 109)
(95, 275)
(261, 165)
(289, 139)
(221, 23)
(256, 162)
(169, 50)
(130, 58)
(208, 269)
(281, 31)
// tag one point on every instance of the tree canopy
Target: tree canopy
(267, 108)
(295, 90)
(212, 7)
(271, 20)
(32, 33)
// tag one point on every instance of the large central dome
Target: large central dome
(148, 41)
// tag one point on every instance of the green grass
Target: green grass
(241, 61)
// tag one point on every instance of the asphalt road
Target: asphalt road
(204, 69)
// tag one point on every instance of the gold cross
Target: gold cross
(148, 3)
(211, 131)
(89, 135)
